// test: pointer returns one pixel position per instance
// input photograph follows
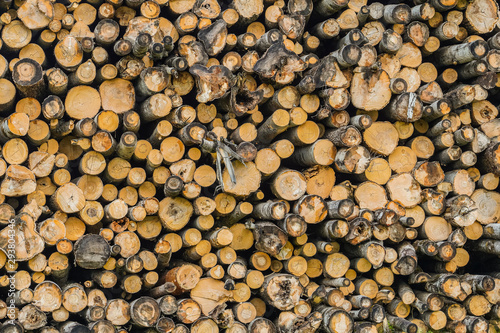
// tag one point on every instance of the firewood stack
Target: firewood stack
(249, 166)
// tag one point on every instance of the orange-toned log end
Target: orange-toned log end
(117, 95)
(248, 179)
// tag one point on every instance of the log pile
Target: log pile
(249, 166)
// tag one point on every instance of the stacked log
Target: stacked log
(252, 166)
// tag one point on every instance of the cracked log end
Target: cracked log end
(282, 291)
(279, 64)
(212, 82)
